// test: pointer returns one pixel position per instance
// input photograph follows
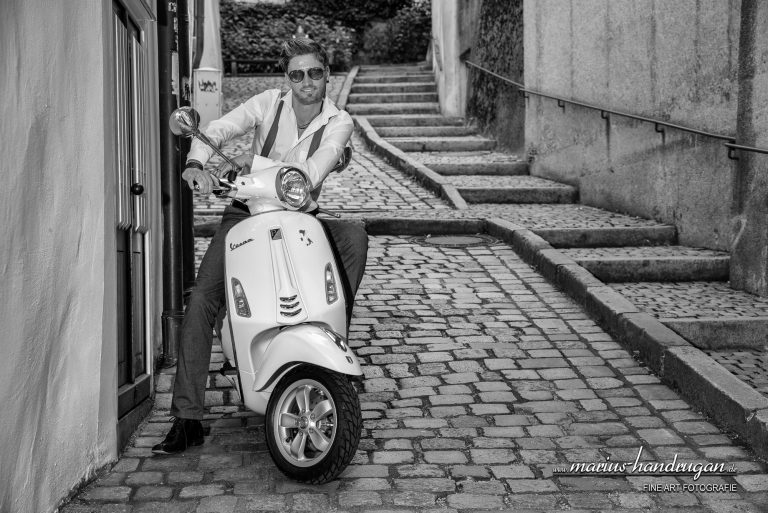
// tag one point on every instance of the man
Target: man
(303, 129)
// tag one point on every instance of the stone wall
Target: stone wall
(496, 106)
(749, 259)
(676, 61)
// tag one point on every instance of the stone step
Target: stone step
(383, 68)
(393, 78)
(472, 163)
(358, 98)
(413, 120)
(709, 314)
(426, 131)
(716, 333)
(618, 236)
(393, 108)
(512, 189)
(403, 87)
(660, 263)
(469, 143)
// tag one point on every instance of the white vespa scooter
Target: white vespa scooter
(286, 324)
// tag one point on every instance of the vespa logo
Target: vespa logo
(234, 246)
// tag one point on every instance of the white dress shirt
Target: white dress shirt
(288, 149)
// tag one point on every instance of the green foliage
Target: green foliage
(352, 13)
(255, 31)
(499, 47)
(396, 30)
(404, 38)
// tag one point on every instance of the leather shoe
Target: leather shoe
(184, 433)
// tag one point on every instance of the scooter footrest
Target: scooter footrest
(227, 369)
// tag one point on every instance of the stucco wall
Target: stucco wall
(453, 31)
(57, 380)
(677, 61)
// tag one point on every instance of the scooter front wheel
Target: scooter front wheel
(313, 424)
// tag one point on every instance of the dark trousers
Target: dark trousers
(350, 243)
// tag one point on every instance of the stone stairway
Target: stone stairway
(642, 257)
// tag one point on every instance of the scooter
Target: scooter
(286, 326)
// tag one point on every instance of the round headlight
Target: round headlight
(293, 187)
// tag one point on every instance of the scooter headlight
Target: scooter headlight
(293, 188)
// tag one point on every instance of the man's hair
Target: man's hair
(295, 47)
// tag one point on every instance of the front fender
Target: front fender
(304, 344)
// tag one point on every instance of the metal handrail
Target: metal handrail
(605, 112)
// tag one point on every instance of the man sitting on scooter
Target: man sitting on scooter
(303, 129)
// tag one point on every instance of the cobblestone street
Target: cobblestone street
(482, 379)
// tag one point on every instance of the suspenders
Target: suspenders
(272, 135)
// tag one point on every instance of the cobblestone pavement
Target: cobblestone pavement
(691, 300)
(750, 365)
(481, 378)
(696, 300)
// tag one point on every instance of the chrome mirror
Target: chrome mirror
(185, 121)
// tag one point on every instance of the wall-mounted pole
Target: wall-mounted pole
(170, 183)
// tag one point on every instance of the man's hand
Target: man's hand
(203, 179)
(243, 161)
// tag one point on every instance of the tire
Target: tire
(305, 448)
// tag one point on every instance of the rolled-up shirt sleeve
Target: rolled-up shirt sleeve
(319, 165)
(233, 124)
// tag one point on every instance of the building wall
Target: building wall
(749, 258)
(453, 31)
(676, 61)
(58, 380)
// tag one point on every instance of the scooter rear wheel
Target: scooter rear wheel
(313, 424)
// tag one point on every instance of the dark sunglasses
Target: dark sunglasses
(297, 75)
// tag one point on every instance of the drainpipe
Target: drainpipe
(185, 98)
(170, 184)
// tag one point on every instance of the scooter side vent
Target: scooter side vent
(289, 307)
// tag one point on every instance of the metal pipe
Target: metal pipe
(187, 201)
(170, 185)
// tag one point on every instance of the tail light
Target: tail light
(241, 303)
(331, 291)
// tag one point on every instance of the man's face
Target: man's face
(307, 90)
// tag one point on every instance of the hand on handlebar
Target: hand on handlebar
(243, 163)
(198, 180)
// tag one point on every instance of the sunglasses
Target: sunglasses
(297, 75)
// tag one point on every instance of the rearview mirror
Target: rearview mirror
(185, 121)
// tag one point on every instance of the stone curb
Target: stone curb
(346, 88)
(398, 158)
(702, 380)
